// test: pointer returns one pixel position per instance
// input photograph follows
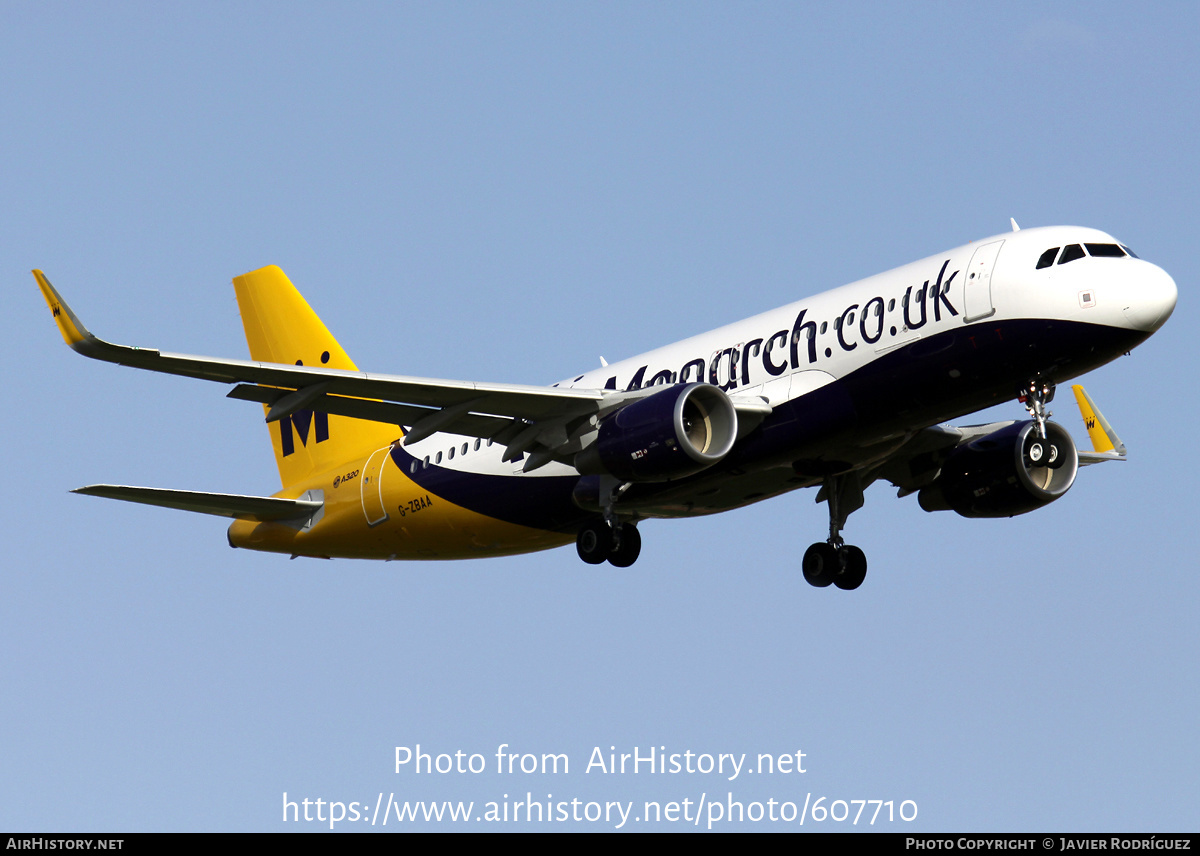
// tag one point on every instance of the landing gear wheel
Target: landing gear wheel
(594, 542)
(1043, 453)
(854, 568)
(820, 564)
(1036, 451)
(629, 546)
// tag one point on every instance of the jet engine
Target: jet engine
(668, 435)
(1008, 472)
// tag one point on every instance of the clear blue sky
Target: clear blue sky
(504, 192)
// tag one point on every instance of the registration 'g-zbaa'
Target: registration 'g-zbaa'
(833, 391)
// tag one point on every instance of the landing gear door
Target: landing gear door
(371, 487)
(977, 291)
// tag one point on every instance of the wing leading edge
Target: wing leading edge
(514, 401)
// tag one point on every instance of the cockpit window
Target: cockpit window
(1070, 253)
(1047, 258)
(1131, 252)
(1104, 250)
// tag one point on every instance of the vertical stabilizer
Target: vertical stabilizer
(282, 328)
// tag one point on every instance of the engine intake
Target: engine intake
(1005, 473)
(668, 435)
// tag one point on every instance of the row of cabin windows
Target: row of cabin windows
(437, 459)
(1074, 251)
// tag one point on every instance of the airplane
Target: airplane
(834, 391)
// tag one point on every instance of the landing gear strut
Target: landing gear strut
(1040, 450)
(835, 561)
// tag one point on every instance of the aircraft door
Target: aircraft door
(370, 487)
(977, 289)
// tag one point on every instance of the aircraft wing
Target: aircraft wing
(521, 417)
(528, 402)
(918, 462)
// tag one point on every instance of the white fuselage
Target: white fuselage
(977, 290)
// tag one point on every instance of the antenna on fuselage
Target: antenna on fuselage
(1013, 220)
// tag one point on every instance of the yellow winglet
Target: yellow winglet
(69, 325)
(1104, 438)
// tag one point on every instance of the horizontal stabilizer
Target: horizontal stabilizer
(259, 508)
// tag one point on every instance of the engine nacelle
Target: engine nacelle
(668, 435)
(1000, 475)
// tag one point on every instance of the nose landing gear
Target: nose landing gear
(1040, 450)
(834, 561)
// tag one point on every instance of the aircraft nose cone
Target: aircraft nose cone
(1152, 300)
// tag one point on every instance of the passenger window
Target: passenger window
(438, 459)
(464, 448)
(1047, 258)
(1070, 253)
(1105, 251)
(477, 444)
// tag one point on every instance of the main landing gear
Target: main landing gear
(607, 539)
(834, 561)
(617, 543)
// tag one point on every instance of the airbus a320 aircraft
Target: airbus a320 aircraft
(834, 391)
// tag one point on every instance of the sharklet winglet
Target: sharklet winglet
(1105, 442)
(69, 325)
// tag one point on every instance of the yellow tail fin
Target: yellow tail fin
(282, 328)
